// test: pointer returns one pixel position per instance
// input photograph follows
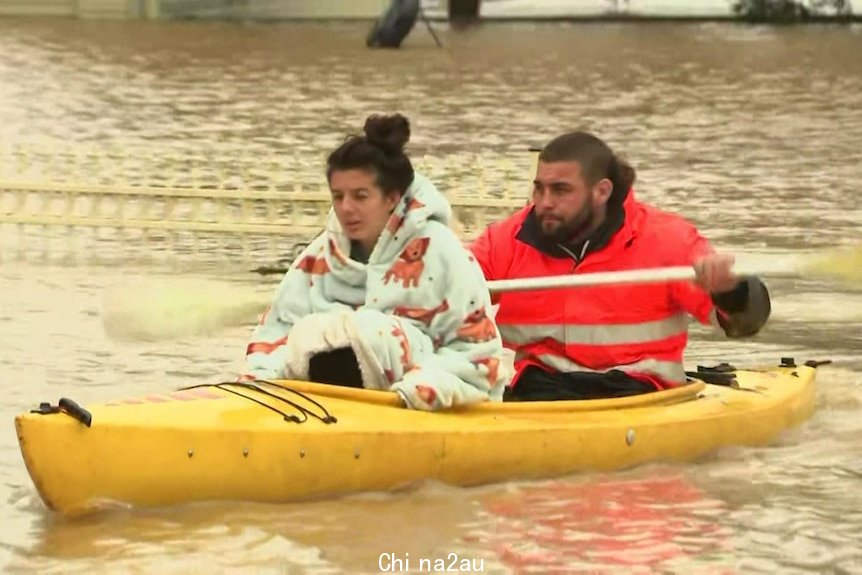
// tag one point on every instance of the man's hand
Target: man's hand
(714, 273)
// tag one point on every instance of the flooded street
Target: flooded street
(752, 133)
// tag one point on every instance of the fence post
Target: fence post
(152, 9)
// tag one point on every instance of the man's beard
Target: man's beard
(568, 231)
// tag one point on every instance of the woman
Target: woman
(387, 297)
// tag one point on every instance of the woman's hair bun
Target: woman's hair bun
(389, 133)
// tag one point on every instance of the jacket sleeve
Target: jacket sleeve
(741, 312)
(483, 250)
(468, 364)
(265, 354)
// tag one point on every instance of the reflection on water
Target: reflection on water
(631, 519)
(751, 132)
(609, 522)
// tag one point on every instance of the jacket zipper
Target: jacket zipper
(577, 259)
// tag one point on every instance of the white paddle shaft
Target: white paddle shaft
(593, 279)
(639, 276)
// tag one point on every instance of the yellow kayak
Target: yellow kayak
(288, 440)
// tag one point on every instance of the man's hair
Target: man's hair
(597, 161)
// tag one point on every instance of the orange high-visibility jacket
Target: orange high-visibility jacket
(641, 330)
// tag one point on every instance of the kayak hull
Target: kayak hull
(221, 443)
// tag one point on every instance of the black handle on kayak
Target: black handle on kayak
(72, 409)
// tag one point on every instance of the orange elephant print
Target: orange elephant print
(406, 364)
(422, 314)
(427, 394)
(477, 327)
(409, 266)
(396, 220)
(336, 253)
(313, 266)
(264, 315)
(492, 364)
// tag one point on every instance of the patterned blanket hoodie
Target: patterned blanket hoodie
(417, 315)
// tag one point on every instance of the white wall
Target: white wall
(38, 7)
(111, 9)
(586, 8)
(318, 8)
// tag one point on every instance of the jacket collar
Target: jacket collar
(620, 225)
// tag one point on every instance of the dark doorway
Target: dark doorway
(463, 9)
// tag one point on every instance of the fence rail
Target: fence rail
(205, 210)
(244, 215)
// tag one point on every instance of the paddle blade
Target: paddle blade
(151, 311)
(841, 263)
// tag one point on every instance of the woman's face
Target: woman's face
(360, 205)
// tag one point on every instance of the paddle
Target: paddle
(195, 307)
(845, 263)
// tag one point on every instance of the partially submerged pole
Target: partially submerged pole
(394, 25)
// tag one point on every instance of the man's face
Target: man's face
(566, 206)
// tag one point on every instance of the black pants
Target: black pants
(336, 367)
(536, 384)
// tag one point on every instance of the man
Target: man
(605, 341)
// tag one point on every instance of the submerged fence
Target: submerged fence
(99, 205)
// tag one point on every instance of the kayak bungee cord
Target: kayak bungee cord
(305, 412)
(291, 417)
(328, 417)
